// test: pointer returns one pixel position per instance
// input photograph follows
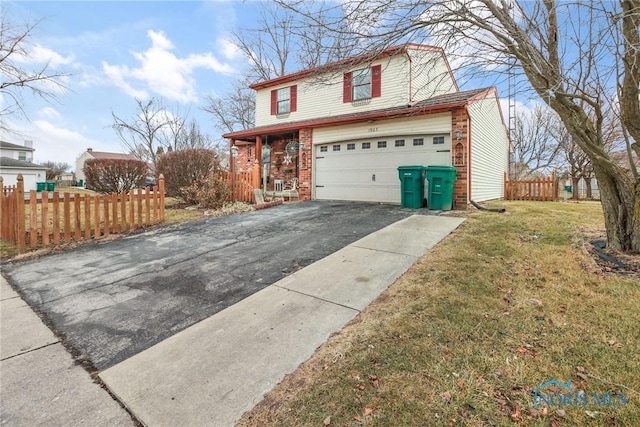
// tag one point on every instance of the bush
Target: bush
(210, 192)
(184, 168)
(115, 175)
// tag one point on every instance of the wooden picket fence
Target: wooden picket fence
(63, 218)
(243, 185)
(543, 189)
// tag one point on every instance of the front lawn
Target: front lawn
(505, 304)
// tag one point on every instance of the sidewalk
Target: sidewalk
(40, 384)
(214, 371)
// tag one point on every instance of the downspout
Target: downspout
(410, 76)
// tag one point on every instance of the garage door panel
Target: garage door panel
(371, 174)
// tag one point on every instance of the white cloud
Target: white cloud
(59, 144)
(50, 113)
(42, 54)
(229, 49)
(162, 72)
(117, 76)
(38, 54)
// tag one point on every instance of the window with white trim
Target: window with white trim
(336, 148)
(361, 85)
(399, 142)
(366, 145)
(323, 149)
(351, 146)
(284, 100)
(438, 140)
(382, 144)
(418, 141)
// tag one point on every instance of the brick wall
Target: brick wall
(460, 157)
(305, 159)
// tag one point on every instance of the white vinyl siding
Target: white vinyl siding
(489, 150)
(430, 75)
(322, 96)
(432, 124)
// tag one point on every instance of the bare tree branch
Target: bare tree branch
(15, 73)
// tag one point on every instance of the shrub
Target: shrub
(184, 168)
(115, 175)
(210, 192)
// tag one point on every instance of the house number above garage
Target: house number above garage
(373, 129)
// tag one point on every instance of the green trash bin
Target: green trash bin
(41, 186)
(568, 188)
(51, 186)
(441, 179)
(411, 186)
(81, 183)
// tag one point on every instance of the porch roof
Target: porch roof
(437, 104)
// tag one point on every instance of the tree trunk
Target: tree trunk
(621, 214)
(574, 182)
(587, 184)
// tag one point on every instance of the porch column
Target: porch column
(259, 150)
(232, 168)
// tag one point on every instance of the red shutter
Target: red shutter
(376, 80)
(346, 88)
(293, 98)
(274, 102)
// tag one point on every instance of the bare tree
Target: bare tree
(235, 110)
(534, 140)
(55, 169)
(566, 52)
(15, 75)
(278, 44)
(143, 133)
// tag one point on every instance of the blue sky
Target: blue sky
(115, 51)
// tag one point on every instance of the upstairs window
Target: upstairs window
(362, 84)
(284, 100)
(22, 155)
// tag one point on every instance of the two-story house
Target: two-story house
(18, 160)
(343, 129)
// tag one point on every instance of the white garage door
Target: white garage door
(367, 170)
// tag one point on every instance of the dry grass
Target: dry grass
(508, 302)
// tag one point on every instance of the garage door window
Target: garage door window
(366, 145)
(336, 148)
(351, 146)
(323, 149)
(418, 141)
(382, 144)
(438, 140)
(399, 142)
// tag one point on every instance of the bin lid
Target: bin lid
(418, 167)
(441, 168)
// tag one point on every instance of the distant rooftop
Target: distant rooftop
(5, 144)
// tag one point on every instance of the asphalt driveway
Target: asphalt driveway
(112, 300)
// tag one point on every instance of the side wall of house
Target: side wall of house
(489, 149)
(80, 165)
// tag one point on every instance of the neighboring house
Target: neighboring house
(90, 154)
(343, 129)
(17, 159)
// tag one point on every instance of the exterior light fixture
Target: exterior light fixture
(458, 134)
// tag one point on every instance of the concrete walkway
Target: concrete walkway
(40, 383)
(214, 371)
